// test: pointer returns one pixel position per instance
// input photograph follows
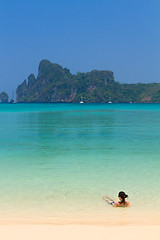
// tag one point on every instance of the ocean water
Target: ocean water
(57, 161)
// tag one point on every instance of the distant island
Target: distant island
(4, 97)
(55, 84)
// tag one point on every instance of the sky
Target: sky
(118, 35)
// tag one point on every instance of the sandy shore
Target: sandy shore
(78, 232)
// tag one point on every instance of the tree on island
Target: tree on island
(4, 97)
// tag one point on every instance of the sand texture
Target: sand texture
(78, 232)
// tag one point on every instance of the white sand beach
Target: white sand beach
(78, 232)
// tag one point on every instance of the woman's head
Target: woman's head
(122, 196)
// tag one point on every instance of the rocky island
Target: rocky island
(56, 84)
(4, 97)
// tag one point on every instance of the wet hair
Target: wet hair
(123, 196)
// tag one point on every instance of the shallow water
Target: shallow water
(57, 161)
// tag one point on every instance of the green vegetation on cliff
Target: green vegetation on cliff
(56, 84)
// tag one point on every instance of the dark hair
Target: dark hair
(123, 196)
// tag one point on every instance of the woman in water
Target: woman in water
(121, 203)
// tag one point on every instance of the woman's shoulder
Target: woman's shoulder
(118, 204)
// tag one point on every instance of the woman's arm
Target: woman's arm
(108, 198)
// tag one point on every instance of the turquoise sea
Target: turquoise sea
(57, 161)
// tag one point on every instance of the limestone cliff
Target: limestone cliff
(56, 84)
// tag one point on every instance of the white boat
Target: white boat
(109, 102)
(81, 100)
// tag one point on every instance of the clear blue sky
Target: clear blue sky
(118, 35)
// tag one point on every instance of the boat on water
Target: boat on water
(81, 101)
(110, 100)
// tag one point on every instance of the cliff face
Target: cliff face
(56, 84)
